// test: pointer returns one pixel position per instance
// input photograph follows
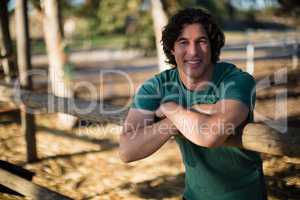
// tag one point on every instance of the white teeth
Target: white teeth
(193, 62)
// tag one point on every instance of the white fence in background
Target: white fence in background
(282, 49)
(277, 50)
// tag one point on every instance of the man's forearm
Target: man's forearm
(142, 142)
(201, 129)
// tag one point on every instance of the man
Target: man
(201, 102)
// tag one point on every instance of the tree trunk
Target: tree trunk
(159, 21)
(9, 66)
(60, 19)
(59, 69)
(24, 65)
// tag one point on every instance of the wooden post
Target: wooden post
(9, 67)
(250, 58)
(159, 21)
(24, 64)
(295, 59)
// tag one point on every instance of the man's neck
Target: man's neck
(198, 83)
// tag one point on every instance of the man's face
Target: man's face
(192, 52)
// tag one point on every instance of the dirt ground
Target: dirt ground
(84, 163)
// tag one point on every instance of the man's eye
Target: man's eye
(182, 43)
(203, 41)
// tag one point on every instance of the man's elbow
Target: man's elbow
(124, 156)
(212, 144)
(124, 151)
(208, 144)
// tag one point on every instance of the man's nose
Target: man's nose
(193, 50)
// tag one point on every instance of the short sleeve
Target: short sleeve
(239, 86)
(148, 96)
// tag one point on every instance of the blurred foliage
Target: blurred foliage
(172, 6)
(115, 15)
(86, 11)
(132, 18)
(289, 8)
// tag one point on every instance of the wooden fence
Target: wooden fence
(257, 137)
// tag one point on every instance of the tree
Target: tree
(289, 7)
(134, 18)
(59, 67)
(159, 21)
(7, 52)
(24, 65)
(129, 17)
(87, 10)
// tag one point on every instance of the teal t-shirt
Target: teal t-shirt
(223, 173)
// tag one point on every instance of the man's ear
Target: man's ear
(172, 51)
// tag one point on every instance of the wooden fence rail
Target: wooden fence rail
(28, 188)
(262, 45)
(291, 52)
(256, 137)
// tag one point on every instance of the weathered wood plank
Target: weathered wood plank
(262, 138)
(28, 188)
(90, 110)
(17, 170)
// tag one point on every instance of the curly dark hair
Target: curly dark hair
(190, 16)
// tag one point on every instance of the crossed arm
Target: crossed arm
(203, 124)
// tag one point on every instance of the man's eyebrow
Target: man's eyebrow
(180, 38)
(203, 37)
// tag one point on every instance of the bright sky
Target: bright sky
(255, 4)
(240, 4)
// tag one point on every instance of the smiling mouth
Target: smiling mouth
(194, 61)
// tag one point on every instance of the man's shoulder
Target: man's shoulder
(167, 74)
(164, 76)
(156, 82)
(227, 68)
(151, 91)
(227, 71)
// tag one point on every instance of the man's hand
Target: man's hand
(208, 109)
(159, 113)
(141, 136)
(206, 125)
(171, 107)
(165, 108)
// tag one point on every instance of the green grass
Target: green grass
(104, 41)
(82, 43)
